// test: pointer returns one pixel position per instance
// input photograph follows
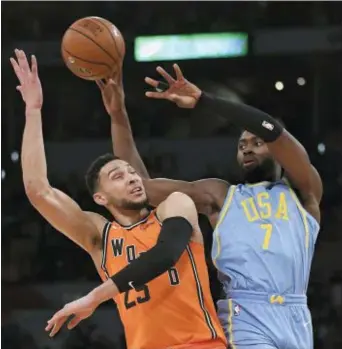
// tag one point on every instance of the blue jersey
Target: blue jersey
(264, 240)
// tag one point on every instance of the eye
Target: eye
(259, 143)
(116, 176)
(242, 146)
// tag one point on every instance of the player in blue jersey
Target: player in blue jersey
(265, 228)
(266, 231)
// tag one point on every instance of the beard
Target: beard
(134, 205)
(266, 171)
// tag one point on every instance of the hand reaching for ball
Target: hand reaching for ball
(30, 86)
(113, 95)
(180, 91)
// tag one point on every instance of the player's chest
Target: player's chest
(125, 246)
(259, 205)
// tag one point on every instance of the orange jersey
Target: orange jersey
(176, 308)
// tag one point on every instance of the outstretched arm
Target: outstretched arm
(285, 148)
(56, 207)
(207, 194)
(113, 96)
(180, 224)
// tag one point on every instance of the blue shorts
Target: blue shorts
(253, 320)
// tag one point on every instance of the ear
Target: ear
(100, 199)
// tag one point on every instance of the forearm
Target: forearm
(123, 142)
(104, 292)
(142, 270)
(249, 118)
(32, 153)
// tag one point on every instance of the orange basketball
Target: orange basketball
(93, 48)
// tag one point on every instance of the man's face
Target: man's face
(120, 186)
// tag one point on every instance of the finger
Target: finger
(151, 82)
(17, 53)
(57, 326)
(165, 75)
(178, 72)
(156, 95)
(16, 69)
(162, 86)
(62, 313)
(49, 326)
(74, 322)
(100, 84)
(112, 82)
(174, 98)
(23, 63)
(34, 65)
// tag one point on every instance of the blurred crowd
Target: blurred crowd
(33, 253)
(43, 23)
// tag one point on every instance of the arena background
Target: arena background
(298, 45)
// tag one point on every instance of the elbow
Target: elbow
(36, 190)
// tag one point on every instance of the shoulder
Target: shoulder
(179, 204)
(176, 204)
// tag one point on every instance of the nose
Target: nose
(132, 178)
(247, 151)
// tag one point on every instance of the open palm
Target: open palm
(30, 86)
(180, 91)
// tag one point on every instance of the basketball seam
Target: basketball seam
(110, 33)
(99, 46)
(85, 60)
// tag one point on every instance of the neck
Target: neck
(128, 217)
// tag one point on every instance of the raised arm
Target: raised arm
(56, 207)
(180, 224)
(113, 96)
(285, 148)
(207, 194)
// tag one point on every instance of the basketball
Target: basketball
(93, 48)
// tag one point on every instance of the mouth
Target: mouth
(248, 162)
(137, 191)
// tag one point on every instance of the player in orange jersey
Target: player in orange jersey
(163, 296)
(175, 308)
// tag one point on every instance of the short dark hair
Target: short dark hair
(92, 174)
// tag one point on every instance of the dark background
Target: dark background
(41, 269)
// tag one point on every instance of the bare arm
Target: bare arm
(293, 157)
(179, 204)
(207, 194)
(56, 207)
(122, 138)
